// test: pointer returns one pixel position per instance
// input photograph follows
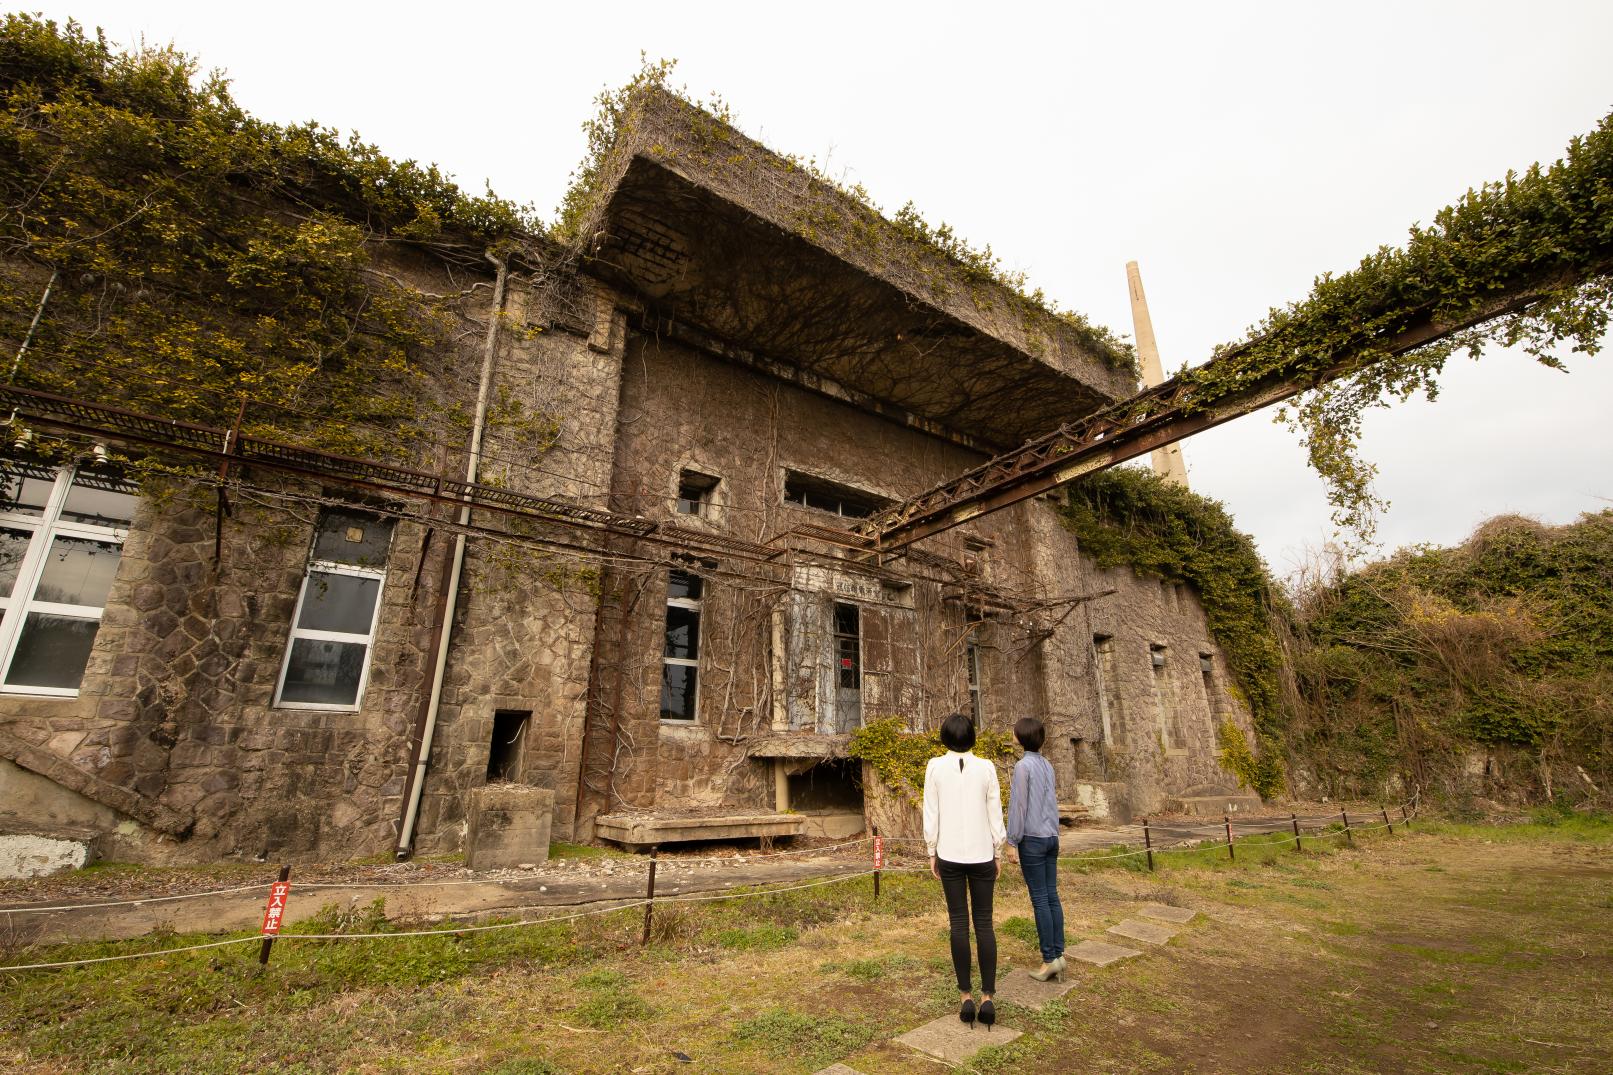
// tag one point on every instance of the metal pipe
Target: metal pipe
(450, 604)
(28, 337)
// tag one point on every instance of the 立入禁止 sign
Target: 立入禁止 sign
(275, 912)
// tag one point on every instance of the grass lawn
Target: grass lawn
(1454, 948)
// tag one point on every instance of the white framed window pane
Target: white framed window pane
(78, 571)
(319, 672)
(677, 691)
(341, 603)
(52, 651)
(100, 502)
(27, 490)
(13, 547)
(682, 632)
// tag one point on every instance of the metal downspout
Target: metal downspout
(450, 603)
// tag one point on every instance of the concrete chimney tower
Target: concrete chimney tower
(1168, 461)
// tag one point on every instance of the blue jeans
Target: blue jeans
(1039, 861)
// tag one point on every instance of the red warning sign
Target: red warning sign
(879, 852)
(275, 912)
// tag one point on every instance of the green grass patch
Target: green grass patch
(814, 1040)
(757, 938)
(1021, 929)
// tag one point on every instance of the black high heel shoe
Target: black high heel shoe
(987, 1014)
(967, 1013)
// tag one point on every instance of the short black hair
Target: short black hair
(958, 732)
(1030, 733)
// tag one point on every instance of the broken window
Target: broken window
(504, 752)
(809, 491)
(61, 537)
(695, 492)
(847, 656)
(848, 646)
(328, 654)
(680, 659)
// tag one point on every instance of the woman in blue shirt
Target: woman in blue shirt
(1033, 829)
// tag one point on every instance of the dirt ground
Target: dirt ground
(1470, 948)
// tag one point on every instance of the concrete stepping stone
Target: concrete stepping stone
(837, 1069)
(1148, 932)
(1100, 953)
(1018, 987)
(949, 1039)
(1181, 916)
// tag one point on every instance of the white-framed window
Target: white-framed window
(680, 658)
(327, 658)
(61, 537)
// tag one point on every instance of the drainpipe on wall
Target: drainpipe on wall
(450, 601)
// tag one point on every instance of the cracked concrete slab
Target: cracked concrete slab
(1100, 953)
(1138, 930)
(1181, 916)
(1018, 987)
(951, 1040)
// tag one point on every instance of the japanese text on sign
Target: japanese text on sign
(275, 912)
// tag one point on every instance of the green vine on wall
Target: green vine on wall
(201, 255)
(899, 756)
(1130, 517)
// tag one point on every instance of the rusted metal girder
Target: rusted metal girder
(1158, 416)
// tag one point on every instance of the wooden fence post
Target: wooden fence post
(649, 898)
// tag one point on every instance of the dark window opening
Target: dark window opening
(829, 787)
(695, 492)
(808, 491)
(680, 653)
(848, 646)
(504, 752)
(352, 537)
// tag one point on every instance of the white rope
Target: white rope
(131, 955)
(136, 903)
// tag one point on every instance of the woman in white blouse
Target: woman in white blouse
(963, 830)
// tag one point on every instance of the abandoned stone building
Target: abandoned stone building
(737, 364)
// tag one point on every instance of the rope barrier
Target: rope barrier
(131, 955)
(305, 886)
(133, 903)
(615, 905)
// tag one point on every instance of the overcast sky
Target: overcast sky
(1234, 150)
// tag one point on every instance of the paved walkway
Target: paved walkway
(947, 1039)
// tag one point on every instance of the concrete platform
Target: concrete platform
(1179, 916)
(1018, 987)
(1099, 953)
(1148, 932)
(951, 1040)
(645, 830)
(1215, 805)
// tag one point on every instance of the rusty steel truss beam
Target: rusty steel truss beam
(1163, 414)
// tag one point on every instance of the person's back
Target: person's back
(963, 831)
(961, 797)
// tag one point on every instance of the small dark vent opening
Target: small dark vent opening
(504, 753)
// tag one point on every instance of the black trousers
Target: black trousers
(968, 887)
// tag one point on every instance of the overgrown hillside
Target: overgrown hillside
(1487, 668)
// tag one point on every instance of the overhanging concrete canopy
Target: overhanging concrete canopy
(712, 229)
